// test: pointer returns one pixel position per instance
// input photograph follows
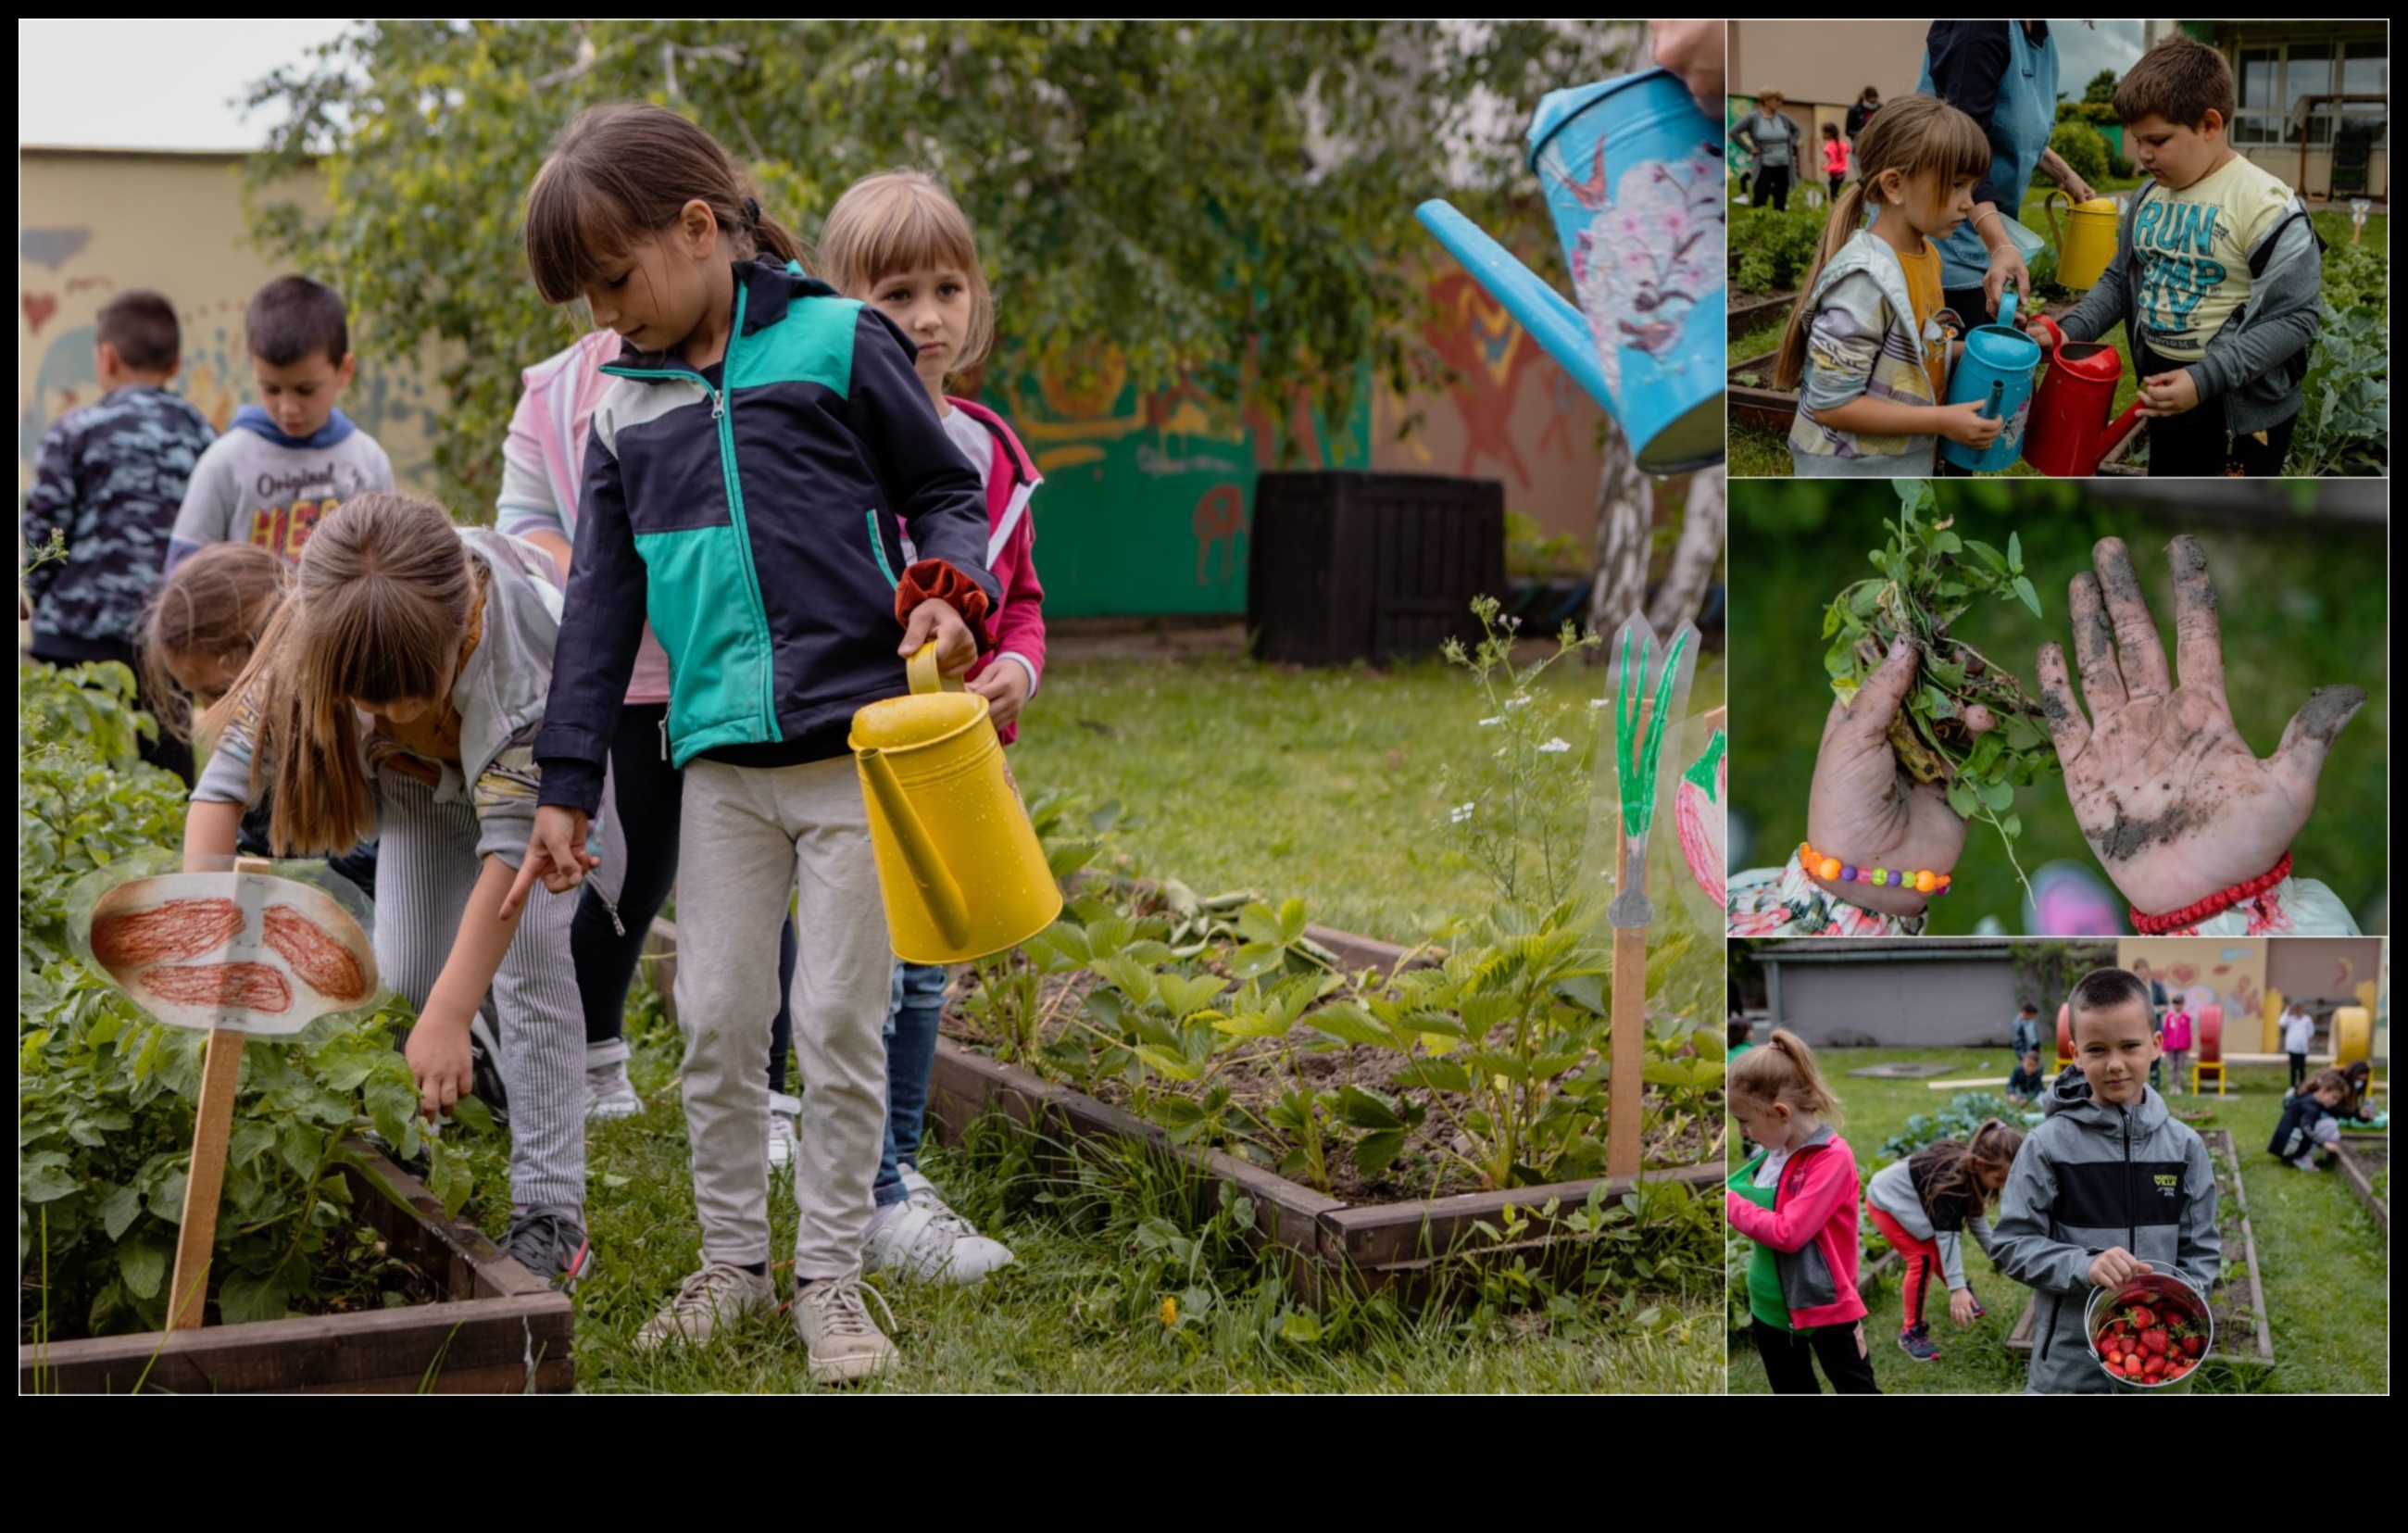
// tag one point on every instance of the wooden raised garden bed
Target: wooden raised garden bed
(499, 1328)
(1317, 1234)
(2363, 1157)
(1320, 1235)
(2244, 1335)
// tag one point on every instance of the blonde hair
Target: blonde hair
(379, 612)
(217, 603)
(1917, 136)
(622, 173)
(900, 220)
(1783, 1070)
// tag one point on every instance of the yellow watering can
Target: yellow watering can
(2086, 243)
(958, 862)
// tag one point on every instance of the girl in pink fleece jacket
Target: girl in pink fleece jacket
(1797, 1199)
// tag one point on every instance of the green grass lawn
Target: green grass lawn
(2321, 1260)
(2294, 618)
(1322, 784)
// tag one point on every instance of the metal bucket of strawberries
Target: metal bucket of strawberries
(2151, 1332)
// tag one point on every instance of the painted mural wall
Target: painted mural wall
(1148, 499)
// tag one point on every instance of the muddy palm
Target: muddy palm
(2170, 798)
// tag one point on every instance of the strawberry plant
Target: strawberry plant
(1930, 576)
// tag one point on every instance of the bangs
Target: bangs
(898, 230)
(579, 225)
(1953, 148)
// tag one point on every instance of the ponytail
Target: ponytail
(1847, 213)
(1784, 1070)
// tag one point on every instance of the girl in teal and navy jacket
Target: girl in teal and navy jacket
(750, 481)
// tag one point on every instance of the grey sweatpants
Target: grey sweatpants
(750, 838)
(427, 865)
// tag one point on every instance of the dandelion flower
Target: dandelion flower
(1170, 1311)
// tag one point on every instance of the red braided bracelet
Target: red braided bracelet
(2191, 915)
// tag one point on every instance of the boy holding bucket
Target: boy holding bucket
(2109, 1187)
(2216, 278)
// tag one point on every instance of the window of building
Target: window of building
(2272, 78)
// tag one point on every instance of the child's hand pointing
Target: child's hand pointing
(937, 620)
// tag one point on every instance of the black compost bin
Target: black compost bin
(1346, 567)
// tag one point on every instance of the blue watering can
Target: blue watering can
(1997, 371)
(1633, 173)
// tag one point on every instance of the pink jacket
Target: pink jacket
(1016, 624)
(543, 465)
(2177, 1029)
(1811, 1229)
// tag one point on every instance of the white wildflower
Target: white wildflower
(1556, 747)
(1461, 813)
(1491, 723)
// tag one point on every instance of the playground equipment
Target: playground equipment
(2353, 1036)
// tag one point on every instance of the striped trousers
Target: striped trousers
(427, 865)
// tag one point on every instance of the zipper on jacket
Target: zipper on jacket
(665, 734)
(878, 551)
(723, 412)
(2131, 1230)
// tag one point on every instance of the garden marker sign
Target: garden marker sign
(262, 950)
(1650, 690)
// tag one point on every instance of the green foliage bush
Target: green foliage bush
(1965, 1112)
(2079, 145)
(1773, 249)
(106, 1099)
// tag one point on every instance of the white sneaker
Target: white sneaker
(921, 1241)
(785, 1135)
(608, 1094)
(845, 1344)
(2306, 1162)
(719, 1295)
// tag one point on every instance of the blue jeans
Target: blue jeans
(917, 1004)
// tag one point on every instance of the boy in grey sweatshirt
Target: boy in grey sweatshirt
(293, 457)
(2217, 276)
(2110, 1186)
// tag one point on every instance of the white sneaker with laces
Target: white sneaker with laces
(921, 1241)
(719, 1295)
(608, 1094)
(845, 1345)
(785, 1133)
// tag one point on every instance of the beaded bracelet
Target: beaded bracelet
(2215, 904)
(1832, 870)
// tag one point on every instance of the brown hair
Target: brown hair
(141, 326)
(2181, 79)
(296, 317)
(902, 221)
(217, 603)
(1783, 1070)
(2335, 1079)
(379, 612)
(2103, 990)
(1770, 98)
(1916, 135)
(621, 173)
(1946, 1168)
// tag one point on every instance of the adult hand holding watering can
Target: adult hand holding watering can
(2173, 801)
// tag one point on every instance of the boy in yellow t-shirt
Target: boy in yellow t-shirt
(2216, 275)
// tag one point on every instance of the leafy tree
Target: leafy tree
(1226, 201)
(2101, 89)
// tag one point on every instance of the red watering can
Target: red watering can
(2070, 432)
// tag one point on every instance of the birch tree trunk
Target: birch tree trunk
(1702, 526)
(1625, 510)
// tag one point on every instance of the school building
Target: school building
(1148, 499)
(1890, 992)
(2313, 103)
(1821, 67)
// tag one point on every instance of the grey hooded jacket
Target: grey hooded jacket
(2257, 362)
(499, 693)
(2094, 1176)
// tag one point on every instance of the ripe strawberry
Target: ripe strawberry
(2114, 1359)
(2155, 1341)
(2153, 1367)
(2142, 1317)
(2192, 1344)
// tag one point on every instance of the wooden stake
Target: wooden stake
(214, 1124)
(187, 1300)
(1626, 1104)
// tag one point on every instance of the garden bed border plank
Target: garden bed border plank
(504, 1330)
(2361, 1183)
